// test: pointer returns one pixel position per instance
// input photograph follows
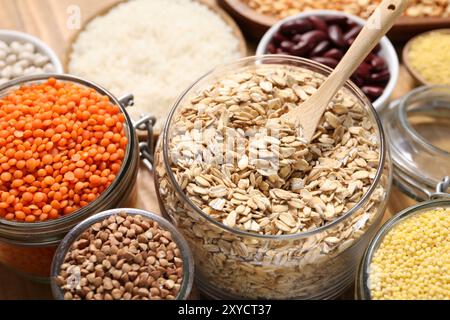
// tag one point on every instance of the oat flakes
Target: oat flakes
(244, 168)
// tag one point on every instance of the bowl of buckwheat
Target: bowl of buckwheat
(123, 254)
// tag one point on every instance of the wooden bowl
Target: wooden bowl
(406, 61)
(408, 27)
(105, 10)
(134, 112)
(255, 24)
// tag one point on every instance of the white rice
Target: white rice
(154, 49)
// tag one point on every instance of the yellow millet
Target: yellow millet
(429, 55)
(413, 260)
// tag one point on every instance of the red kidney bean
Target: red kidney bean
(279, 38)
(351, 24)
(321, 48)
(287, 28)
(286, 46)
(377, 63)
(335, 54)
(330, 62)
(281, 51)
(357, 80)
(318, 24)
(297, 38)
(373, 92)
(314, 37)
(296, 26)
(352, 33)
(302, 49)
(376, 49)
(382, 76)
(369, 58)
(350, 41)
(364, 71)
(302, 25)
(339, 20)
(335, 34)
(271, 48)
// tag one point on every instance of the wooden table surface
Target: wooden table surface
(48, 20)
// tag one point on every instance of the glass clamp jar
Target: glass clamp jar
(235, 264)
(28, 248)
(75, 233)
(438, 199)
(417, 128)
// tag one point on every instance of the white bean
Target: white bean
(28, 47)
(30, 70)
(6, 72)
(23, 63)
(11, 59)
(17, 71)
(3, 81)
(49, 68)
(40, 60)
(16, 47)
(18, 59)
(26, 56)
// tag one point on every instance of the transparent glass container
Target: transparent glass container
(439, 199)
(74, 234)
(235, 264)
(418, 131)
(417, 127)
(28, 248)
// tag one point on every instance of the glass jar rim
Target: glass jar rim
(74, 234)
(60, 222)
(258, 60)
(363, 291)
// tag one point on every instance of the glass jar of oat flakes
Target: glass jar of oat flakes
(28, 247)
(266, 214)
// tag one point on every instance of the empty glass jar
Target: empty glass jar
(418, 130)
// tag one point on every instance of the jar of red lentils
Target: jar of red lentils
(409, 258)
(68, 150)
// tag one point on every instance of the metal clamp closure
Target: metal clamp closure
(127, 101)
(146, 123)
(441, 190)
(146, 148)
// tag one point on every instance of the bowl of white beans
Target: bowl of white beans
(22, 54)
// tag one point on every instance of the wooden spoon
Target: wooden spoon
(309, 113)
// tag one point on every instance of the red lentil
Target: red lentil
(61, 146)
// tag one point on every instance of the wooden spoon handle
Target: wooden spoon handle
(375, 28)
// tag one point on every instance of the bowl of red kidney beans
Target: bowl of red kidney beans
(325, 36)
